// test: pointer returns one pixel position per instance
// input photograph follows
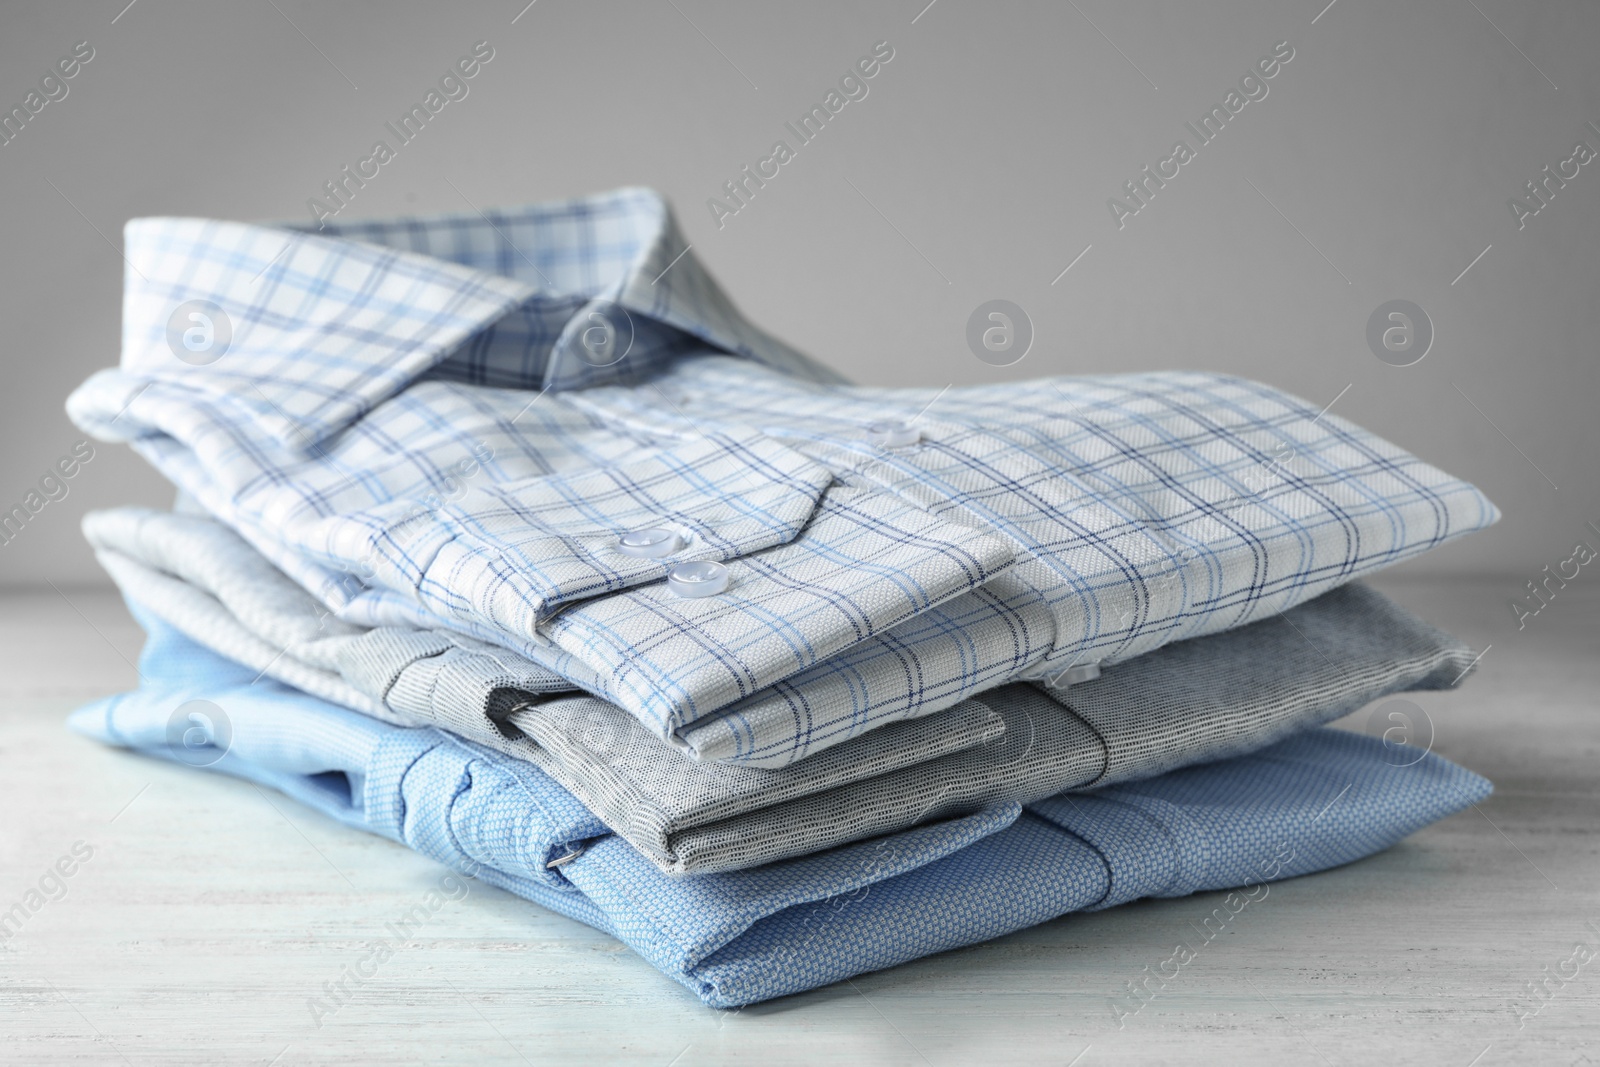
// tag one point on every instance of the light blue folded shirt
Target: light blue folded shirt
(1319, 799)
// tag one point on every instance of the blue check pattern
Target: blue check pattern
(448, 422)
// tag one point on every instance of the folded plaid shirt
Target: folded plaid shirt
(1312, 801)
(1188, 702)
(454, 421)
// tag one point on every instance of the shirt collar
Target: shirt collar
(308, 329)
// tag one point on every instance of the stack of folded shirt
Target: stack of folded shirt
(505, 536)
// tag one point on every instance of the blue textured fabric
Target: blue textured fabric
(449, 421)
(1321, 798)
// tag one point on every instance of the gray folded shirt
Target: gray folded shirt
(1188, 702)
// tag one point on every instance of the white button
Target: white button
(893, 434)
(701, 578)
(649, 544)
(1083, 672)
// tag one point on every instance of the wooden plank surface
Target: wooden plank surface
(210, 911)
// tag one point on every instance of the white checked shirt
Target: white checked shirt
(450, 421)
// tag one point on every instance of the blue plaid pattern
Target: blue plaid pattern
(1316, 800)
(415, 422)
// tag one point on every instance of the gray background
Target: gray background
(978, 167)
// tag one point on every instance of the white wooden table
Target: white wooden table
(210, 911)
